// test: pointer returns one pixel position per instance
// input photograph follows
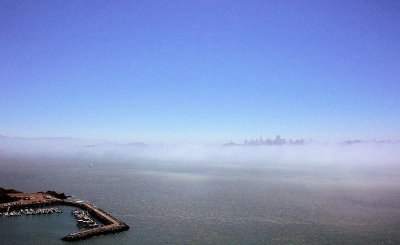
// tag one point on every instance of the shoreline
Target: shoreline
(111, 224)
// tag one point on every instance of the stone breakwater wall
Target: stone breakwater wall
(112, 225)
(95, 232)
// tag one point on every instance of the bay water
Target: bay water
(209, 202)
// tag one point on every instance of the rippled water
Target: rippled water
(208, 203)
(38, 229)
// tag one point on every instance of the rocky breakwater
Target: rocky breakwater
(111, 225)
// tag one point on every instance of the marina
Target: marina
(38, 203)
(83, 219)
(31, 211)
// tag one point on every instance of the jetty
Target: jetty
(111, 225)
(39, 200)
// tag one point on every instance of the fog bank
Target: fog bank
(367, 154)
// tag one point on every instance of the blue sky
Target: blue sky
(203, 70)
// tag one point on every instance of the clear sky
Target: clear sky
(205, 70)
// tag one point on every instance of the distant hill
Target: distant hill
(140, 144)
(41, 138)
(231, 144)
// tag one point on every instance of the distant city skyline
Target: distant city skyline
(277, 141)
(164, 71)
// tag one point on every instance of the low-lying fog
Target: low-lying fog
(369, 161)
(313, 154)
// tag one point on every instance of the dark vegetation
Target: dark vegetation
(59, 195)
(4, 197)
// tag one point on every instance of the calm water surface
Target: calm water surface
(209, 203)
